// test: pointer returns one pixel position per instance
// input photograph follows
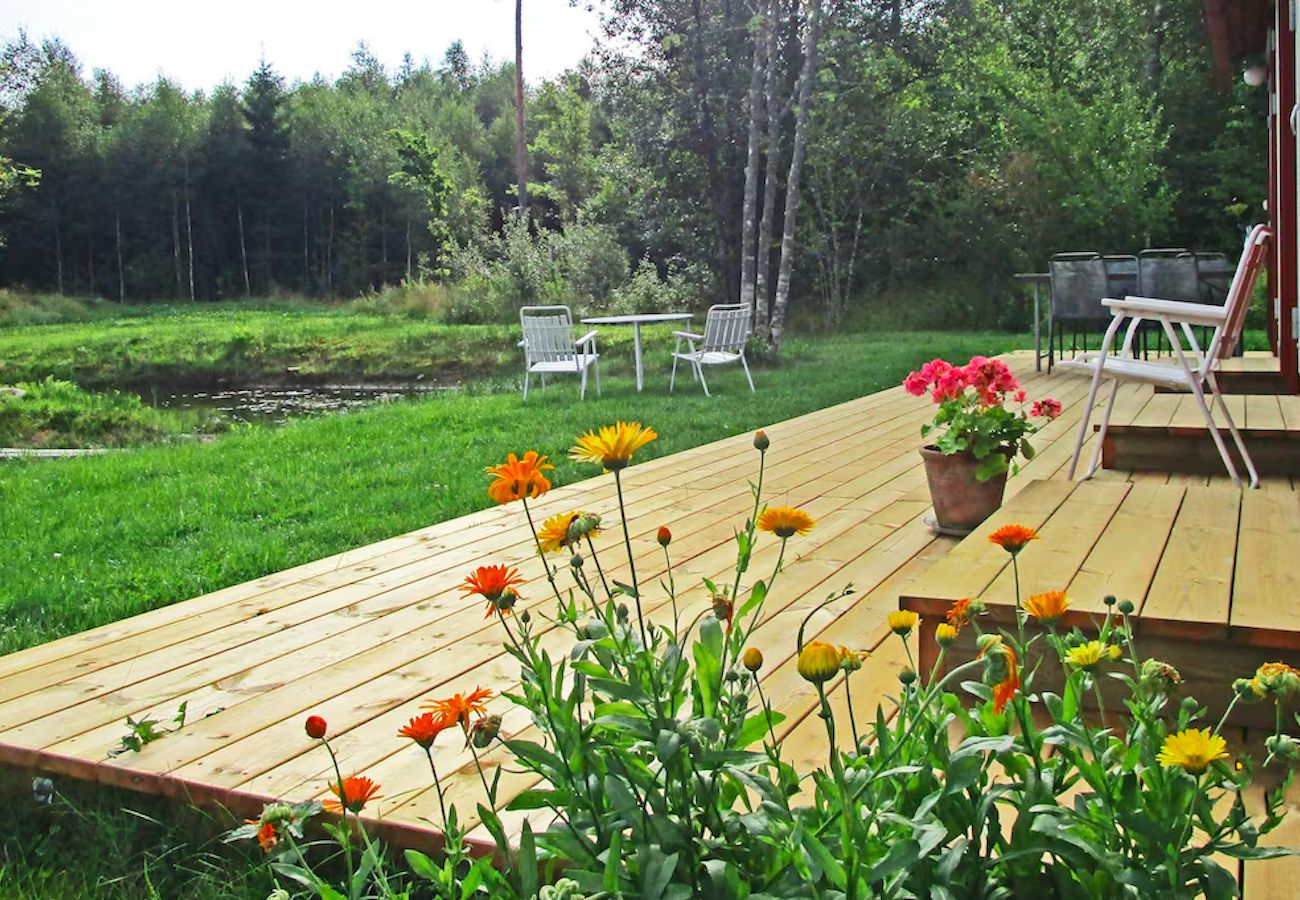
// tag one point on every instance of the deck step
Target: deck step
(1190, 450)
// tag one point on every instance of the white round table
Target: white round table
(636, 321)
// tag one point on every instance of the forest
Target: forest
(843, 153)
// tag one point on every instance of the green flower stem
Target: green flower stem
(853, 720)
(550, 576)
(491, 794)
(599, 569)
(343, 799)
(1020, 613)
(437, 785)
(631, 561)
(672, 587)
(829, 718)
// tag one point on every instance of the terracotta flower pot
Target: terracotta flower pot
(960, 501)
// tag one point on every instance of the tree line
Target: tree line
(830, 150)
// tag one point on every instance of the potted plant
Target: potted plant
(976, 437)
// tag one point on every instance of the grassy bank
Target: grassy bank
(54, 414)
(93, 540)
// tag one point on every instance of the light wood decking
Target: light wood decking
(361, 638)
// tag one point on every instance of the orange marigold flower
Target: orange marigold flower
(1013, 538)
(664, 536)
(1048, 607)
(424, 729)
(959, 614)
(459, 707)
(1005, 664)
(613, 445)
(724, 609)
(518, 479)
(491, 583)
(356, 793)
(267, 836)
(785, 521)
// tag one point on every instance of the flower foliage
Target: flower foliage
(972, 415)
(656, 765)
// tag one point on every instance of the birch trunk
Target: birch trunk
(117, 235)
(306, 257)
(781, 301)
(189, 232)
(176, 246)
(58, 251)
(408, 247)
(748, 249)
(383, 244)
(521, 136)
(763, 261)
(243, 247)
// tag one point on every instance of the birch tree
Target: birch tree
(781, 300)
(763, 36)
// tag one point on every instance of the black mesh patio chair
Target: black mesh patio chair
(1078, 287)
(1169, 273)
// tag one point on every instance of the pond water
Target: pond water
(275, 405)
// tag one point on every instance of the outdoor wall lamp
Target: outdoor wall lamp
(1255, 75)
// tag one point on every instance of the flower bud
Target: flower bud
(484, 730)
(665, 536)
(907, 676)
(1284, 747)
(316, 727)
(506, 601)
(622, 612)
(761, 442)
(576, 560)
(525, 617)
(1126, 607)
(945, 634)
(1109, 600)
(752, 659)
(818, 662)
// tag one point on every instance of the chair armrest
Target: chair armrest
(522, 343)
(589, 336)
(1175, 310)
(688, 335)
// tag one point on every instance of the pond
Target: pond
(274, 405)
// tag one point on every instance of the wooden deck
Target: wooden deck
(361, 638)
(1204, 567)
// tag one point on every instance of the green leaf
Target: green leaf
(613, 863)
(656, 871)
(708, 664)
(421, 865)
(527, 862)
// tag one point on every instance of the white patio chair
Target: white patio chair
(726, 328)
(550, 349)
(1193, 369)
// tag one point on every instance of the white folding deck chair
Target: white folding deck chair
(1192, 370)
(726, 328)
(550, 349)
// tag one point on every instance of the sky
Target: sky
(200, 43)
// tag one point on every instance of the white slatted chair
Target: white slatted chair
(1193, 369)
(726, 329)
(550, 349)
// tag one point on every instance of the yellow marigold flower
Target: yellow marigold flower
(902, 621)
(1047, 607)
(1114, 651)
(1192, 750)
(752, 659)
(1013, 538)
(851, 660)
(945, 634)
(785, 521)
(564, 530)
(818, 662)
(1086, 656)
(1277, 678)
(613, 445)
(517, 479)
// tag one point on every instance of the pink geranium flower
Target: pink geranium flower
(1047, 408)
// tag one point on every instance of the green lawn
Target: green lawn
(91, 540)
